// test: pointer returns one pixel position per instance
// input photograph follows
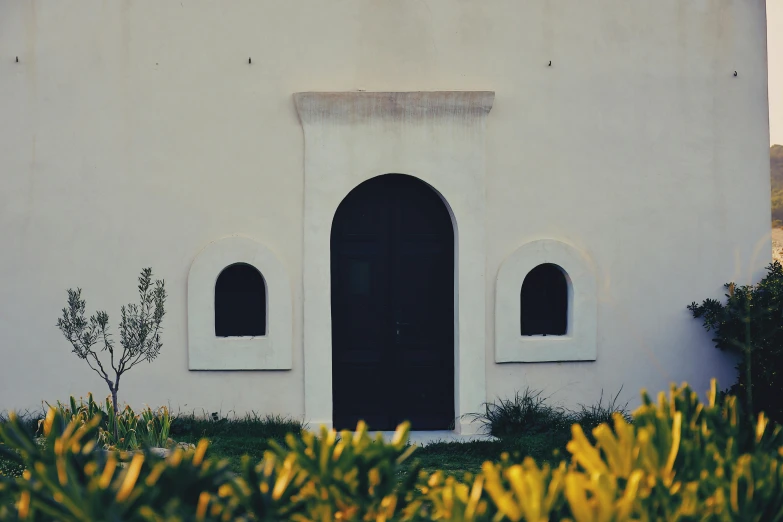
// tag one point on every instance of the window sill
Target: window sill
(549, 348)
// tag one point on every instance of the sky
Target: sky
(775, 64)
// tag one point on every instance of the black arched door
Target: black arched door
(392, 260)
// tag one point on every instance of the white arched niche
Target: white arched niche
(206, 351)
(579, 342)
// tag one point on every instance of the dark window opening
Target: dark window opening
(240, 302)
(544, 300)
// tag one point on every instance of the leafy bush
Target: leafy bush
(751, 323)
(125, 430)
(66, 479)
(10, 468)
(590, 417)
(679, 460)
(28, 419)
(526, 413)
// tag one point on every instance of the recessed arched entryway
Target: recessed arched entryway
(392, 283)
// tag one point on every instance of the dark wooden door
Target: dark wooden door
(392, 257)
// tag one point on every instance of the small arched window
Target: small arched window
(240, 302)
(545, 301)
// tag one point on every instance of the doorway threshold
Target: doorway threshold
(424, 438)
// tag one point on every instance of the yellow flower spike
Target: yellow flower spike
(406, 454)
(269, 464)
(155, 474)
(556, 484)
(201, 508)
(175, 459)
(761, 426)
(284, 477)
(662, 402)
(474, 499)
(48, 422)
(626, 433)
(361, 430)
(606, 440)
(448, 497)
(130, 477)
(89, 447)
(604, 489)
(626, 503)
(68, 431)
(374, 477)
(225, 490)
(646, 455)
(201, 450)
(401, 435)
(23, 505)
(676, 435)
(327, 444)
(62, 476)
(90, 469)
(576, 496)
(338, 450)
(108, 472)
(388, 505)
(584, 452)
(503, 499)
(527, 491)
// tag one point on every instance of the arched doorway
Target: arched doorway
(392, 281)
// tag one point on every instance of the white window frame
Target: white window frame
(580, 341)
(206, 351)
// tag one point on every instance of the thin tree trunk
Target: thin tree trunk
(116, 412)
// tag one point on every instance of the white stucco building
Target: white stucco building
(394, 171)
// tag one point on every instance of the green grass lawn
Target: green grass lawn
(525, 424)
(454, 458)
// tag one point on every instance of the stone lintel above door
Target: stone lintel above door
(364, 107)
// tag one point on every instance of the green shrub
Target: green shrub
(680, 460)
(66, 479)
(124, 430)
(751, 324)
(30, 420)
(592, 416)
(526, 413)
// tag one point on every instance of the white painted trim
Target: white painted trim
(579, 343)
(209, 352)
(437, 137)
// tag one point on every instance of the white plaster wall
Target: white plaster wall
(134, 133)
